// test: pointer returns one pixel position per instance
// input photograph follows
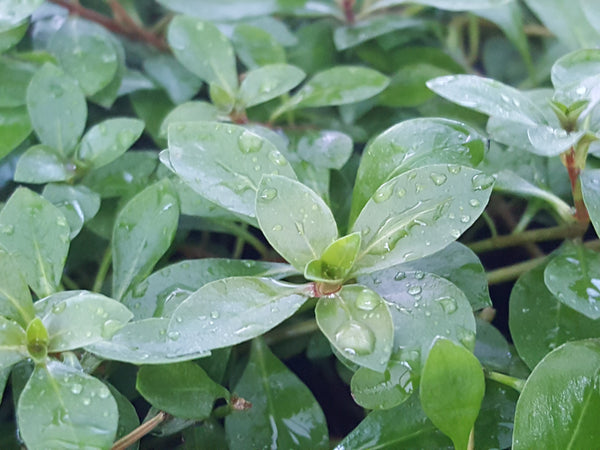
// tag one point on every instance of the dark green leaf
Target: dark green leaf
(256, 47)
(43, 164)
(15, 298)
(14, 128)
(107, 95)
(78, 203)
(14, 78)
(11, 35)
(408, 85)
(284, 413)
(491, 348)
(268, 82)
(128, 418)
(207, 434)
(152, 106)
(182, 390)
(494, 426)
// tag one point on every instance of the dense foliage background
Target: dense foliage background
(234, 224)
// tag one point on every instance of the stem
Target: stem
(239, 245)
(573, 169)
(140, 431)
(512, 382)
(490, 223)
(121, 24)
(471, 444)
(473, 39)
(68, 282)
(348, 7)
(241, 232)
(291, 331)
(539, 235)
(103, 269)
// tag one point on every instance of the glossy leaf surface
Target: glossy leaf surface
(590, 188)
(43, 164)
(14, 127)
(336, 261)
(189, 111)
(375, 390)
(329, 149)
(15, 298)
(13, 343)
(78, 203)
(268, 82)
(284, 413)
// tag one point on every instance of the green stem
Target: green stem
(239, 245)
(291, 331)
(241, 232)
(103, 269)
(490, 223)
(512, 382)
(540, 235)
(473, 39)
(68, 282)
(530, 212)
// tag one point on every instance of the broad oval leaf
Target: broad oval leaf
(451, 390)
(188, 112)
(62, 407)
(224, 163)
(182, 390)
(570, 70)
(106, 141)
(590, 188)
(550, 141)
(86, 52)
(351, 35)
(15, 298)
(204, 51)
(143, 231)
(229, 311)
(487, 96)
(13, 343)
(573, 276)
(268, 82)
(325, 148)
(294, 219)
(284, 413)
(57, 108)
(14, 128)
(15, 11)
(375, 390)
(79, 318)
(39, 252)
(414, 143)
(562, 389)
(78, 203)
(256, 47)
(449, 5)
(555, 323)
(358, 324)
(418, 213)
(160, 293)
(43, 164)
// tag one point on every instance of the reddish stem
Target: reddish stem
(581, 213)
(348, 6)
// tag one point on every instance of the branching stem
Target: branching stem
(140, 431)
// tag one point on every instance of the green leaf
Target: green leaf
(590, 188)
(226, 10)
(207, 434)
(294, 219)
(374, 390)
(106, 141)
(419, 213)
(78, 203)
(15, 11)
(180, 83)
(451, 390)
(38, 251)
(348, 36)
(494, 426)
(268, 82)
(562, 389)
(403, 427)
(204, 51)
(37, 340)
(336, 261)
(325, 148)
(449, 5)
(13, 343)
(128, 418)
(86, 52)
(143, 231)
(555, 323)
(256, 47)
(14, 78)
(57, 108)
(43, 164)
(358, 324)
(15, 298)
(72, 408)
(152, 106)
(573, 276)
(182, 390)
(14, 128)
(284, 413)
(414, 143)
(229, 167)
(491, 348)
(229, 311)
(488, 97)
(160, 293)
(338, 86)
(188, 112)
(12, 35)
(423, 306)
(550, 141)
(78, 318)
(107, 95)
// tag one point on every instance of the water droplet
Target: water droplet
(110, 327)
(76, 388)
(415, 289)
(59, 307)
(466, 337)
(400, 276)
(249, 142)
(455, 233)
(300, 228)
(474, 202)
(277, 227)
(401, 192)
(481, 181)
(355, 338)
(277, 158)
(438, 178)
(419, 275)
(448, 304)
(418, 187)
(86, 401)
(173, 335)
(214, 314)
(100, 311)
(465, 219)
(268, 194)
(367, 300)
(103, 392)
(454, 169)
(383, 193)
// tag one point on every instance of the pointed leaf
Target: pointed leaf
(78, 203)
(182, 390)
(224, 163)
(57, 108)
(451, 390)
(358, 324)
(294, 219)
(72, 408)
(562, 389)
(39, 252)
(13, 343)
(419, 213)
(229, 311)
(15, 298)
(11, 35)
(143, 231)
(128, 418)
(284, 413)
(268, 82)
(336, 261)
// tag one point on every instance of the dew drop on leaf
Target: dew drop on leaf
(415, 289)
(448, 304)
(249, 142)
(438, 178)
(76, 388)
(268, 194)
(277, 158)
(383, 193)
(400, 276)
(367, 300)
(481, 181)
(474, 203)
(355, 339)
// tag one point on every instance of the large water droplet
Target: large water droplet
(355, 339)
(268, 194)
(249, 142)
(482, 181)
(415, 289)
(76, 388)
(383, 193)
(173, 335)
(400, 276)
(438, 178)
(448, 304)
(474, 203)
(277, 158)
(59, 307)
(367, 300)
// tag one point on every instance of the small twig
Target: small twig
(506, 214)
(512, 382)
(140, 431)
(121, 24)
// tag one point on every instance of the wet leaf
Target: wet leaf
(256, 47)
(128, 418)
(62, 407)
(42, 164)
(15, 75)
(562, 389)
(39, 253)
(268, 82)
(13, 343)
(419, 213)
(351, 35)
(375, 390)
(549, 141)
(494, 426)
(78, 203)
(189, 111)
(294, 219)
(590, 187)
(14, 128)
(336, 261)
(143, 231)
(15, 298)
(284, 413)
(182, 390)
(358, 324)
(180, 83)
(329, 149)
(15, 11)
(491, 348)
(452, 388)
